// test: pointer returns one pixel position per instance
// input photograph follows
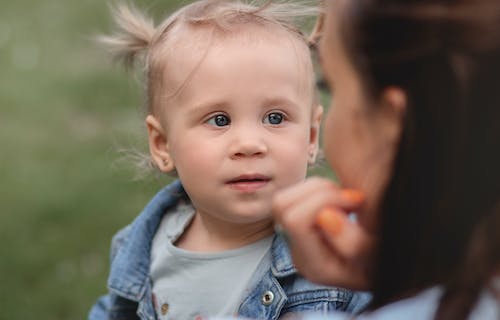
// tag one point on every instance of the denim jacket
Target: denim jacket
(275, 287)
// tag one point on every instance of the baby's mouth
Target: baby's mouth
(247, 178)
(249, 182)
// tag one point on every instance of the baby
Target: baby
(232, 112)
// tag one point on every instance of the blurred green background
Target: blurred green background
(65, 112)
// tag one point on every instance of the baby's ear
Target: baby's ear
(158, 145)
(314, 132)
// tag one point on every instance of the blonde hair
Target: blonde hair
(138, 40)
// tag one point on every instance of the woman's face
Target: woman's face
(360, 133)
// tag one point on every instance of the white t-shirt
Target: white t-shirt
(189, 285)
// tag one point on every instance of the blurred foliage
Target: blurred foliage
(65, 111)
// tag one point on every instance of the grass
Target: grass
(65, 110)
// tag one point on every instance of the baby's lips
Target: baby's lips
(330, 220)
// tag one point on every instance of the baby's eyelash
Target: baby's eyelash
(275, 118)
(219, 120)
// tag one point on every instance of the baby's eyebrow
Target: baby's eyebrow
(279, 101)
(208, 106)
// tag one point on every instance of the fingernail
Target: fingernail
(353, 195)
(330, 220)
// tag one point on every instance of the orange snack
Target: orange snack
(353, 195)
(330, 221)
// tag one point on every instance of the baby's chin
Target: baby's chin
(252, 218)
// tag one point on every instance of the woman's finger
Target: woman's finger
(339, 252)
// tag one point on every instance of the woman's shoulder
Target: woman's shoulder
(488, 307)
(421, 306)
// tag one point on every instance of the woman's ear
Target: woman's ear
(395, 98)
(317, 115)
(394, 104)
(158, 145)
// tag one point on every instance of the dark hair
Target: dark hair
(440, 213)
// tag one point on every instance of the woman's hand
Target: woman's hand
(328, 250)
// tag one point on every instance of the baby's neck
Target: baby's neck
(206, 235)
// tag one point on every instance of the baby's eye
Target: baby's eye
(219, 120)
(274, 118)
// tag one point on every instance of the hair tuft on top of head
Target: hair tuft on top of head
(134, 34)
(224, 14)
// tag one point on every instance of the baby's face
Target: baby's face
(242, 127)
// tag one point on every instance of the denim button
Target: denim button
(267, 298)
(164, 309)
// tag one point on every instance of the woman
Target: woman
(414, 126)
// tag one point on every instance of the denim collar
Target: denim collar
(129, 275)
(281, 263)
